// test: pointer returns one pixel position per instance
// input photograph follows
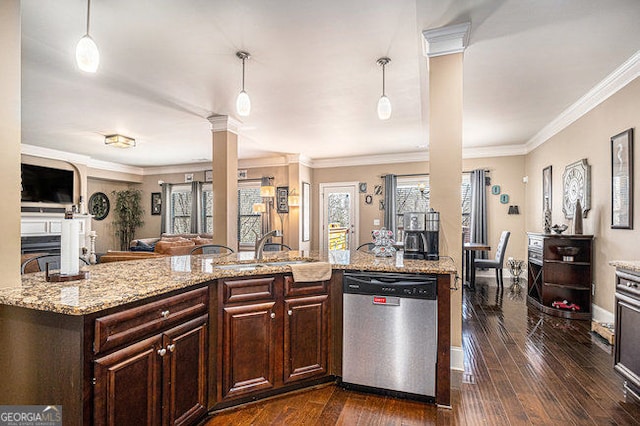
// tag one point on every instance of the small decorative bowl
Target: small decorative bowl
(559, 229)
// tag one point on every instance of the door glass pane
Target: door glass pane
(249, 223)
(338, 220)
(181, 210)
(207, 202)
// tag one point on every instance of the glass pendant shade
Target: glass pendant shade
(243, 104)
(87, 55)
(384, 108)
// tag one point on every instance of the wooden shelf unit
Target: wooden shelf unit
(554, 276)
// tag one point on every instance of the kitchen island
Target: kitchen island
(77, 344)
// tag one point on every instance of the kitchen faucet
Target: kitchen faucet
(261, 242)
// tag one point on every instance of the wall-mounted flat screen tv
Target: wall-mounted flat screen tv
(46, 185)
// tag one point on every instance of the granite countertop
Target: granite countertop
(118, 283)
(629, 265)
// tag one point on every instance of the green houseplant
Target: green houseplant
(127, 215)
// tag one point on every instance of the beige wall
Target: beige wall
(508, 173)
(589, 137)
(106, 234)
(10, 139)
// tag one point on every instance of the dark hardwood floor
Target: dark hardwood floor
(521, 367)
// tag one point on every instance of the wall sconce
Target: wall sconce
(119, 141)
(294, 198)
(266, 188)
(514, 210)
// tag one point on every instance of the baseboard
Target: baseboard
(457, 358)
(601, 315)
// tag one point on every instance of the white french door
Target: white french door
(338, 216)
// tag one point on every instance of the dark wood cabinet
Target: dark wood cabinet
(559, 270)
(306, 327)
(268, 341)
(248, 348)
(627, 343)
(157, 379)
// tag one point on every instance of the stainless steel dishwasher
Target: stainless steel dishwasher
(390, 333)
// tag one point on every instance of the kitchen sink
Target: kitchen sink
(257, 265)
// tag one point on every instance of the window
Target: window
(413, 195)
(183, 216)
(249, 223)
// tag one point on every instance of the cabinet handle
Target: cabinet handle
(162, 351)
(290, 312)
(273, 315)
(164, 314)
(171, 347)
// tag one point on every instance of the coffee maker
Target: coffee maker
(421, 235)
(414, 235)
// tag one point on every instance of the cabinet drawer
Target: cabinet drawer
(535, 243)
(535, 256)
(627, 283)
(132, 324)
(292, 288)
(245, 290)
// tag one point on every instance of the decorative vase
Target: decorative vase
(547, 217)
(577, 218)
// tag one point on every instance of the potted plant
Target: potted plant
(127, 215)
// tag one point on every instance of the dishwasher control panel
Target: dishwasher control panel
(412, 286)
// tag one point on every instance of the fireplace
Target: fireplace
(40, 244)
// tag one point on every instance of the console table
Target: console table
(559, 269)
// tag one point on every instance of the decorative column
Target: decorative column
(10, 41)
(225, 180)
(444, 48)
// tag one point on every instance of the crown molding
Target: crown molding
(367, 160)
(224, 123)
(615, 81)
(300, 159)
(494, 151)
(446, 40)
(54, 154)
(178, 168)
(253, 163)
(115, 167)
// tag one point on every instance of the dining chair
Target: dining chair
(498, 262)
(276, 247)
(39, 263)
(366, 247)
(212, 249)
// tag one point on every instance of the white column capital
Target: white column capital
(224, 123)
(446, 40)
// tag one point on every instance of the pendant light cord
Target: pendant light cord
(88, 14)
(383, 66)
(243, 74)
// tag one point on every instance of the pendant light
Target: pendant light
(243, 103)
(87, 55)
(384, 105)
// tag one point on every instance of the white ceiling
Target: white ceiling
(167, 65)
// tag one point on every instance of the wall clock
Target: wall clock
(99, 205)
(576, 185)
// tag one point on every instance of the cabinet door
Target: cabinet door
(249, 343)
(627, 346)
(306, 325)
(185, 372)
(128, 385)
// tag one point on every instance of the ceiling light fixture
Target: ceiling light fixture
(384, 105)
(119, 141)
(87, 55)
(243, 103)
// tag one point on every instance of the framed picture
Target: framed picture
(282, 199)
(156, 203)
(547, 189)
(377, 189)
(622, 180)
(306, 211)
(363, 187)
